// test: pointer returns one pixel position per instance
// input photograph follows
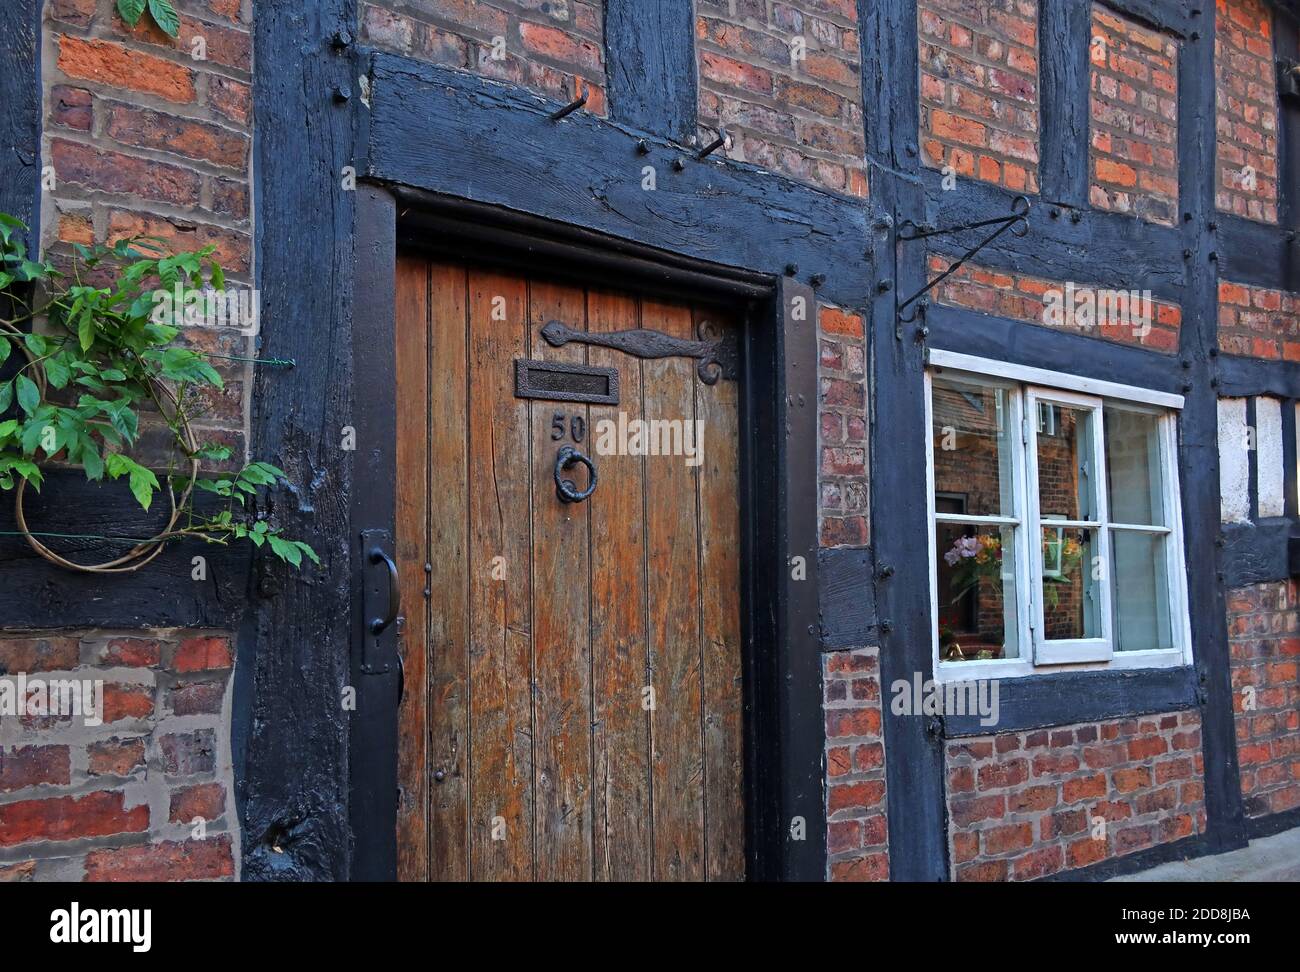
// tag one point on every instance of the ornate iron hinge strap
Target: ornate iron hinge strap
(717, 357)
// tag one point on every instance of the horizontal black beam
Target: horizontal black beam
(1063, 243)
(162, 594)
(848, 597)
(1258, 254)
(1254, 553)
(456, 134)
(1178, 17)
(1039, 346)
(1240, 377)
(1065, 698)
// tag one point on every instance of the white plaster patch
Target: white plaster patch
(1268, 456)
(1234, 461)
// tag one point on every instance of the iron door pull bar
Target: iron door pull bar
(378, 625)
(567, 489)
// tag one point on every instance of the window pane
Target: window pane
(1071, 597)
(977, 592)
(1134, 484)
(1140, 592)
(1065, 463)
(972, 448)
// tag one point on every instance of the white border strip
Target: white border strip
(989, 367)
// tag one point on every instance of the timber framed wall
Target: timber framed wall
(398, 96)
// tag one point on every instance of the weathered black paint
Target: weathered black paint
(652, 81)
(372, 738)
(1255, 553)
(293, 784)
(20, 113)
(848, 588)
(587, 172)
(1065, 698)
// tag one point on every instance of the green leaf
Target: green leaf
(86, 328)
(57, 371)
(8, 428)
(5, 348)
(28, 394)
(91, 460)
(131, 10)
(164, 15)
(6, 396)
(285, 549)
(35, 344)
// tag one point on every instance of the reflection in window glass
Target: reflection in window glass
(1071, 596)
(1140, 595)
(1134, 488)
(972, 447)
(977, 592)
(1065, 465)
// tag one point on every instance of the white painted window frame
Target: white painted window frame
(1023, 385)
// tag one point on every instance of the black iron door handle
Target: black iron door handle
(378, 625)
(567, 489)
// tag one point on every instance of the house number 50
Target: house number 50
(577, 427)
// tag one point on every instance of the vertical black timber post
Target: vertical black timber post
(372, 736)
(1198, 433)
(914, 766)
(801, 735)
(20, 115)
(1286, 41)
(1064, 39)
(650, 59)
(293, 786)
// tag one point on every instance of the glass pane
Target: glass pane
(1140, 591)
(1071, 594)
(977, 592)
(1134, 484)
(972, 448)
(1066, 489)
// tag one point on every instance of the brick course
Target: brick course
(1259, 322)
(550, 47)
(842, 428)
(799, 116)
(1022, 298)
(1025, 805)
(1264, 643)
(857, 829)
(1133, 85)
(145, 136)
(120, 800)
(1246, 110)
(980, 89)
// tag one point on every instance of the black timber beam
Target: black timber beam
(20, 113)
(453, 134)
(650, 53)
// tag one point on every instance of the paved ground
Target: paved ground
(1275, 858)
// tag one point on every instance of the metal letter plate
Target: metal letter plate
(557, 381)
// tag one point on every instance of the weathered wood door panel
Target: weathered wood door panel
(573, 700)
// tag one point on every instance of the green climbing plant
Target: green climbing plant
(105, 347)
(161, 11)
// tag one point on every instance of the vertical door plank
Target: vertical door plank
(621, 767)
(448, 581)
(674, 630)
(501, 729)
(412, 325)
(561, 613)
(716, 409)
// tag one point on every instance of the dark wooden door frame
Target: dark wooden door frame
(784, 763)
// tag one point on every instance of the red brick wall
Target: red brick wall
(145, 138)
(857, 835)
(1246, 96)
(1259, 322)
(842, 421)
(1025, 805)
(119, 801)
(979, 89)
(1021, 297)
(1264, 642)
(799, 116)
(1133, 88)
(547, 47)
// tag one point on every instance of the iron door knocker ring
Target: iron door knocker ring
(567, 489)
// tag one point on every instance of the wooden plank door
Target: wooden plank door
(573, 698)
